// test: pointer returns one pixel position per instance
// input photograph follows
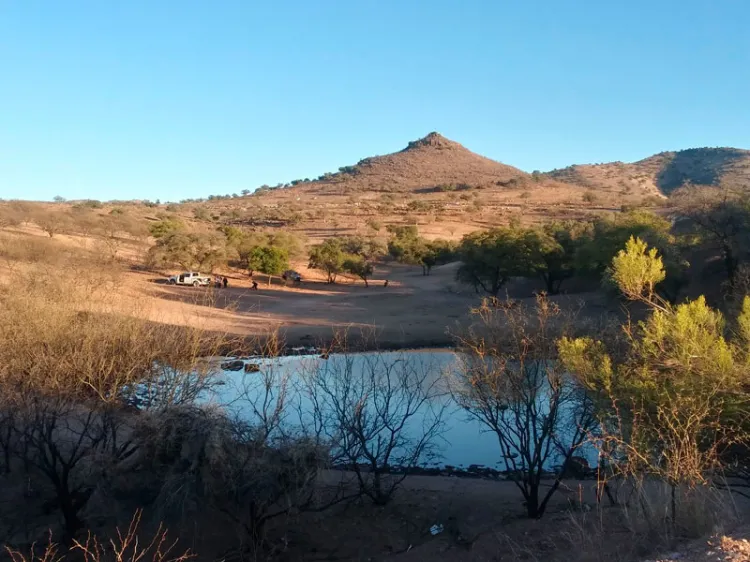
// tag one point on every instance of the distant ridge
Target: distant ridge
(665, 172)
(445, 188)
(435, 163)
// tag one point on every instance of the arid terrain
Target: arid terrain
(92, 267)
(434, 183)
(413, 310)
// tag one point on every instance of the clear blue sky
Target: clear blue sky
(173, 99)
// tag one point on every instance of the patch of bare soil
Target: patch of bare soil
(477, 520)
(412, 311)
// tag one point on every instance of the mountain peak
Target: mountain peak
(433, 139)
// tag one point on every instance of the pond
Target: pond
(463, 441)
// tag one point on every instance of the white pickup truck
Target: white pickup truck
(190, 278)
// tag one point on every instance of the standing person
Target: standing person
(255, 286)
(225, 282)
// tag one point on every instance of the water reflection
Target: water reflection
(464, 442)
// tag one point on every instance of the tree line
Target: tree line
(554, 252)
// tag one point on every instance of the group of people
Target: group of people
(223, 282)
(220, 282)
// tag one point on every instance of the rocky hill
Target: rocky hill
(664, 172)
(430, 162)
(448, 190)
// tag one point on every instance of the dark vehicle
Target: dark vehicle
(291, 275)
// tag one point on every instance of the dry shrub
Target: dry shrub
(49, 553)
(203, 460)
(33, 260)
(644, 525)
(69, 363)
(10, 215)
(70, 339)
(127, 547)
(16, 249)
(52, 221)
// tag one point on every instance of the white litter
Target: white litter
(436, 529)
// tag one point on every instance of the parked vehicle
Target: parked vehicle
(291, 275)
(190, 278)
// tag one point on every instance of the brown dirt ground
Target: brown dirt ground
(483, 521)
(414, 310)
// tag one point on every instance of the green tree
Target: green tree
(289, 241)
(351, 254)
(233, 234)
(406, 246)
(246, 245)
(435, 252)
(189, 250)
(674, 397)
(329, 257)
(609, 235)
(165, 227)
(367, 248)
(357, 265)
(554, 248)
(404, 240)
(720, 219)
(490, 258)
(269, 260)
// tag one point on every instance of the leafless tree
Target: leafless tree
(382, 413)
(246, 460)
(71, 446)
(205, 460)
(510, 380)
(52, 221)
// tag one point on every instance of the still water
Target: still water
(463, 441)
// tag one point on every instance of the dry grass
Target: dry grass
(69, 364)
(643, 524)
(63, 328)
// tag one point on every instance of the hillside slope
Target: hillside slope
(434, 182)
(664, 172)
(426, 163)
